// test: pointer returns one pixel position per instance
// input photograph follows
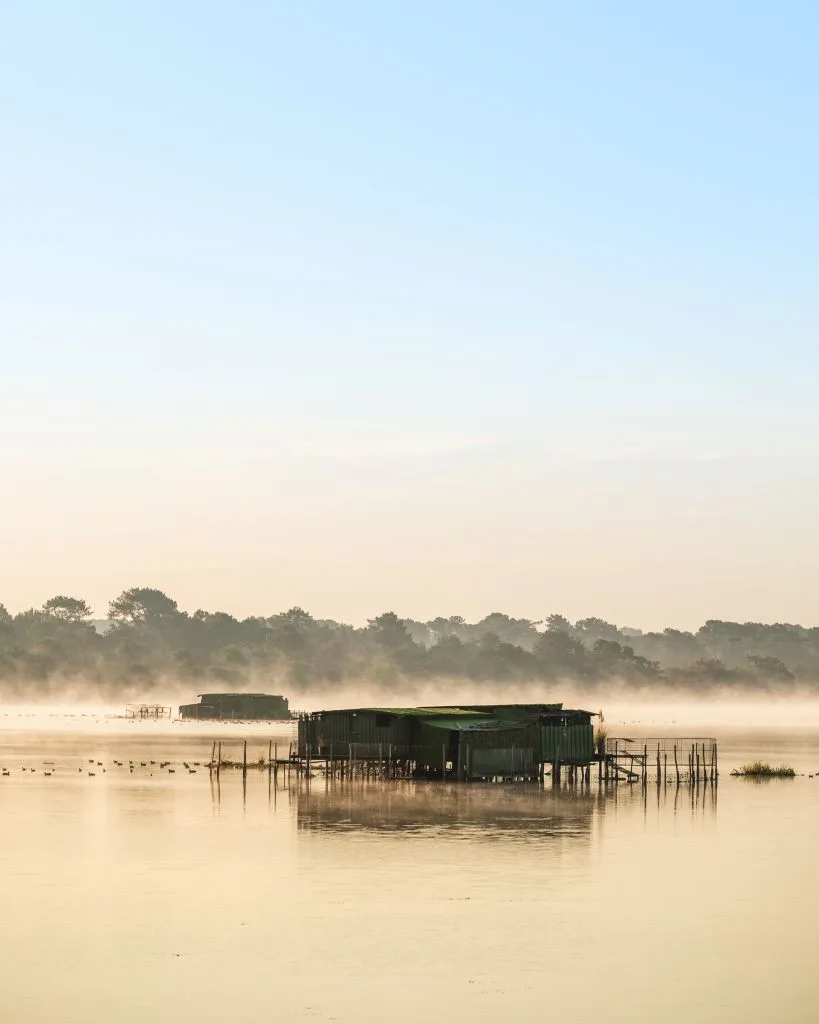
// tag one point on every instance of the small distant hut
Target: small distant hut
(145, 712)
(237, 707)
(469, 742)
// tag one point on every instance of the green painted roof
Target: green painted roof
(474, 723)
(419, 712)
(509, 714)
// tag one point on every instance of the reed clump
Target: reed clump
(763, 770)
(229, 762)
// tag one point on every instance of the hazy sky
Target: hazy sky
(440, 307)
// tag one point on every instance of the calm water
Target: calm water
(151, 896)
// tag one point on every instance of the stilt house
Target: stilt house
(237, 707)
(470, 741)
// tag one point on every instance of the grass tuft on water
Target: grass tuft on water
(763, 770)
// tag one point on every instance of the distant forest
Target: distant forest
(147, 643)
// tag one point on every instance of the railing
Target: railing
(662, 758)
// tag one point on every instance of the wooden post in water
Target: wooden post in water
(676, 765)
(443, 762)
(219, 759)
(244, 758)
(212, 756)
(645, 763)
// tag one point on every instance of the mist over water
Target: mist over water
(620, 702)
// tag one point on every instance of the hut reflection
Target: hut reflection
(485, 811)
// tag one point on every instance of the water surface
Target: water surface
(156, 896)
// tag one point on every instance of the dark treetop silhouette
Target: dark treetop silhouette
(147, 642)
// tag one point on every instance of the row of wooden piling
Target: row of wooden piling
(273, 765)
(692, 763)
(384, 765)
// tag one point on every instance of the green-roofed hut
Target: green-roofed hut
(475, 741)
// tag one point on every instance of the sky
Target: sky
(443, 308)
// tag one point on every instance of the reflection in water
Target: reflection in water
(456, 810)
(694, 799)
(411, 807)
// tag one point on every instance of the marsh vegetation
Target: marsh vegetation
(763, 770)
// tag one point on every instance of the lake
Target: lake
(150, 895)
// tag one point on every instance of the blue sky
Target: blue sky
(325, 303)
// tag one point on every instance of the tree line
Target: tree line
(147, 642)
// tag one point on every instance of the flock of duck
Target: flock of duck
(49, 767)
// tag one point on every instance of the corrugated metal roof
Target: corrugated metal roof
(413, 712)
(506, 712)
(475, 723)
